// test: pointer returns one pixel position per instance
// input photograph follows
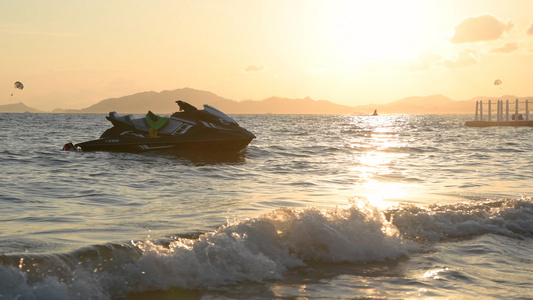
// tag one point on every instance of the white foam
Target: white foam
(15, 284)
(509, 217)
(265, 248)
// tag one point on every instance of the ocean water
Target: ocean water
(318, 206)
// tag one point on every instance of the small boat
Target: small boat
(375, 112)
(207, 129)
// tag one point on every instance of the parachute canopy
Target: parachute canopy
(497, 82)
(19, 85)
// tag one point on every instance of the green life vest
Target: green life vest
(155, 122)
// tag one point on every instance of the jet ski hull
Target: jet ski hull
(132, 142)
(191, 130)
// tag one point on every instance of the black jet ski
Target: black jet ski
(188, 129)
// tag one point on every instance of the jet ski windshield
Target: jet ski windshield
(210, 109)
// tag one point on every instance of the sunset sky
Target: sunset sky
(72, 54)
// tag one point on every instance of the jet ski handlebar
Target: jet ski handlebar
(186, 107)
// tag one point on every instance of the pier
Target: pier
(504, 114)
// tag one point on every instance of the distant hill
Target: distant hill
(18, 108)
(422, 105)
(276, 105)
(164, 103)
(435, 104)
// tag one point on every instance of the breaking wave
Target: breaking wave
(257, 250)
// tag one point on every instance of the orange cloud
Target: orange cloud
(507, 48)
(425, 61)
(530, 30)
(482, 28)
(253, 68)
(465, 59)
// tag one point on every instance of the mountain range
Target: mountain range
(164, 103)
(18, 108)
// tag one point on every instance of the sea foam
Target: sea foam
(266, 247)
(258, 250)
(508, 217)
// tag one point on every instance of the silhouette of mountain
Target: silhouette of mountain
(277, 105)
(18, 108)
(422, 105)
(164, 103)
(435, 104)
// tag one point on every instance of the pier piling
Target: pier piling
(520, 117)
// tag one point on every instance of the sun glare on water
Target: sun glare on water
(379, 179)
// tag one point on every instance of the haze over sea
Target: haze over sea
(318, 206)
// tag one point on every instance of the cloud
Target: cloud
(430, 60)
(507, 48)
(464, 59)
(530, 30)
(426, 61)
(481, 28)
(253, 68)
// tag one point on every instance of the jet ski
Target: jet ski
(188, 129)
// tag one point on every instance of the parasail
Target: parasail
(497, 82)
(19, 85)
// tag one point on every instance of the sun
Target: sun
(372, 31)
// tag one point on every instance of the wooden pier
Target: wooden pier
(504, 117)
